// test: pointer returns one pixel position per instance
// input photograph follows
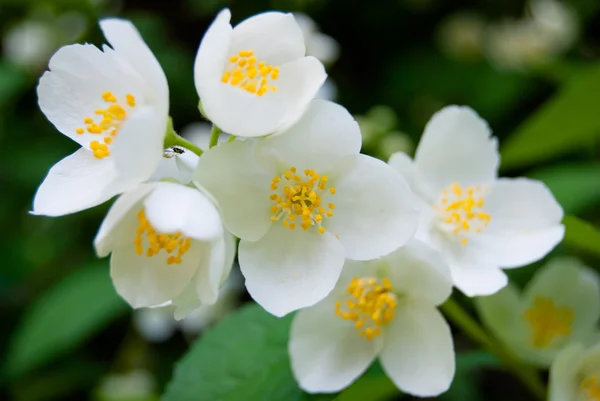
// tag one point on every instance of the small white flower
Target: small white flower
(575, 374)
(178, 163)
(479, 222)
(168, 247)
(323, 47)
(561, 304)
(383, 308)
(254, 79)
(115, 104)
(303, 201)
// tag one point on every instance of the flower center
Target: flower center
(590, 387)
(461, 210)
(548, 321)
(370, 306)
(246, 72)
(176, 244)
(299, 199)
(107, 124)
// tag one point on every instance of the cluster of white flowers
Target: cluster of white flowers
(365, 250)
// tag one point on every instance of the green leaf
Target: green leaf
(567, 122)
(582, 235)
(575, 186)
(63, 318)
(244, 357)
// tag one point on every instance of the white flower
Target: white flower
(177, 163)
(303, 201)
(323, 47)
(254, 79)
(168, 247)
(383, 308)
(479, 222)
(575, 374)
(561, 304)
(115, 104)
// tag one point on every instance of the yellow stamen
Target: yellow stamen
(548, 322)
(159, 241)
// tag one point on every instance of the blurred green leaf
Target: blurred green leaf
(575, 186)
(582, 235)
(374, 387)
(63, 318)
(12, 82)
(465, 383)
(567, 122)
(244, 357)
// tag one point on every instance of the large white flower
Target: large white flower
(561, 304)
(382, 308)
(115, 104)
(303, 201)
(254, 79)
(575, 374)
(479, 222)
(168, 246)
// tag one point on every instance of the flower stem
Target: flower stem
(214, 136)
(172, 139)
(527, 375)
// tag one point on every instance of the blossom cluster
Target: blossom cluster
(364, 250)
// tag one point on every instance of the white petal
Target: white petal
(403, 164)
(419, 272)
(326, 352)
(215, 272)
(107, 237)
(274, 37)
(229, 173)
(456, 147)
(325, 135)
(212, 53)
(138, 147)
(419, 354)
(375, 211)
(186, 164)
(568, 283)
(288, 270)
(146, 281)
(77, 182)
(524, 225)
(174, 207)
(187, 301)
(129, 45)
(478, 280)
(501, 313)
(178, 165)
(564, 374)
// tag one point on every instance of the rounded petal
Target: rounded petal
(418, 354)
(138, 147)
(230, 175)
(478, 280)
(420, 273)
(326, 353)
(324, 136)
(564, 373)
(524, 224)
(274, 37)
(77, 182)
(107, 237)
(456, 147)
(569, 284)
(216, 270)
(403, 164)
(174, 207)
(287, 270)
(129, 45)
(374, 209)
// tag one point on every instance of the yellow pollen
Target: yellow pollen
(548, 321)
(460, 211)
(107, 124)
(300, 197)
(590, 387)
(175, 245)
(245, 73)
(371, 305)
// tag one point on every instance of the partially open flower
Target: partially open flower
(479, 222)
(575, 374)
(115, 104)
(254, 79)
(303, 201)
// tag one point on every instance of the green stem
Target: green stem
(528, 376)
(172, 139)
(214, 136)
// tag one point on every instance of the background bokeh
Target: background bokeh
(67, 336)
